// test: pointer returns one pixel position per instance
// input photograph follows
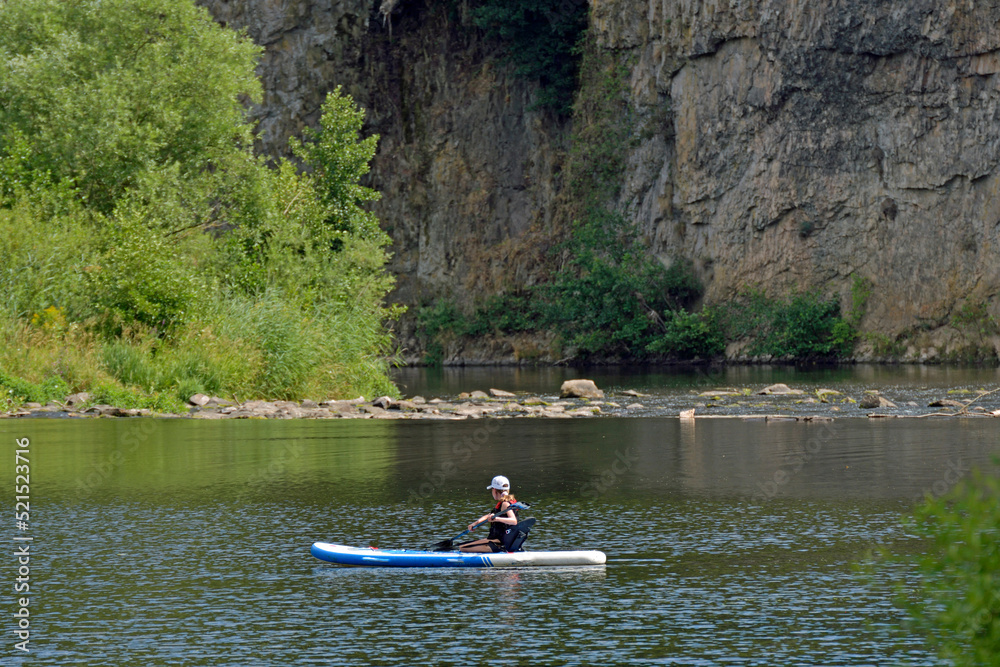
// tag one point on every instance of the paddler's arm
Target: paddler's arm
(472, 526)
(509, 518)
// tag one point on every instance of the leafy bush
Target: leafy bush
(143, 247)
(958, 600)
(44, 256)
(433, 321)
(689, 336)
(18, 390)
(98, 92)
(142, 278)
(339, 161)
(131, 398)
(802, 326)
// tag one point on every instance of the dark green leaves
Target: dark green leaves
(540, 39)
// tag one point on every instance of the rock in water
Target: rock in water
(580, 389)
(384, 402)
(946, 403)
(869, 402)
(780, 389)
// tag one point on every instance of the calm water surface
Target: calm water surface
(174, 542)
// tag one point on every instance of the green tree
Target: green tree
(96, 92)
(134, 214)
(958, 594)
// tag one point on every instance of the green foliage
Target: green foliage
(16, 390)
(540, 39)
(883, 345)
(339, 160)
(861, 292)
(611, 295)
(974, 316)
(603, 129)
(142, 277)
(144, 248)
(958, 600)
(98, 91)
(132, 399)
(690, 335)
(44, 255)
(610, 299)
(844, 333)
(435, 321)
(803, 326)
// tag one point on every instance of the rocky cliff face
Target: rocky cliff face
(787, 144)
(814, 142)
(467, 171)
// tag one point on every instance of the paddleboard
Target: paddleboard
(372, 557)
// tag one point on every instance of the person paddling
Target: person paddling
(500, 518)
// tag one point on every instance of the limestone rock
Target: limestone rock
(199, 400)
(500, 393)
(869, 402)
(74, 400)
(781, 390)
(580, 389)
(384, 402)
(872, 400)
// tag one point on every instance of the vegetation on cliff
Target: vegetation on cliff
(604, 296)
(145, 253)
(540, 39)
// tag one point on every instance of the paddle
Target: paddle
(444, 545)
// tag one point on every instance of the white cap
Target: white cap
(500, 483)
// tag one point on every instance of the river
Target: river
(729, 542)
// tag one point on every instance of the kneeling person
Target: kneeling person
(500, 518)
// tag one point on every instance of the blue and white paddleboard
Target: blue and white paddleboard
(371, 557)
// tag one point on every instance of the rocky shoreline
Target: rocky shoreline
(577, 398)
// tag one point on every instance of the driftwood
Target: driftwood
(963, 412)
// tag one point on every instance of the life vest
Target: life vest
(497, 528)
